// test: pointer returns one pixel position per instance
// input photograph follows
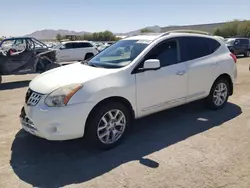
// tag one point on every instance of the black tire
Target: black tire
(211, 100)
(88, 56)
(247, 54)
(94, 120)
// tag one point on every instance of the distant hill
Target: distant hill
(51, 34)
(154, 29)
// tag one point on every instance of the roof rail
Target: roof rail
(172, 31)
(186, 31)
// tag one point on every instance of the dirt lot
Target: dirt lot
(188, 146)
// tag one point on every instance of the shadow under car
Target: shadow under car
(43, 163)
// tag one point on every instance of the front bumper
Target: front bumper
(55, 123)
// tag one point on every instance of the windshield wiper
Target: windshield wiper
(86, 62)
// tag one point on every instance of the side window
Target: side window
(38, 44)
(68, 46)
(83, 45)
(166, 52)
(243, 41)
(237, 42)
(75, 45)
(193, 48)
(213, 44)
(87, 45)
(30, 45)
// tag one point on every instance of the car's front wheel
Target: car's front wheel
(108, 124)
(219, 94)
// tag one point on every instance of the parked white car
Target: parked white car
(100, 98)
(75, 51)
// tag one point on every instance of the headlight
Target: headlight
(61, 96)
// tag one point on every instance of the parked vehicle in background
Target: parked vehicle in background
(100, 98)
(23, 55)
(220, 37)
(104, 46)
(239, 46)
(74, 51)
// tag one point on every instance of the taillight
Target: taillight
(234, 57)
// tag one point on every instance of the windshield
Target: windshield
(119, 54)
(58, 46)
(229, 41)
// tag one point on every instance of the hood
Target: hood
(66, 75)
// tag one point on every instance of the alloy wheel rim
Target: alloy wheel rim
(111, 126)
(220, 94)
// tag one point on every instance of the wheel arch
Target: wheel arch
(88, 53)
(229, 79)
(122, 100)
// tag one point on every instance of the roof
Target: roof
(144, 37)
(153, 36)
(74, 41)
(11, 38)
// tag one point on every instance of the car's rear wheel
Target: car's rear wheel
(88, 56)
(108, 125)
(219, 94)
(247, 54)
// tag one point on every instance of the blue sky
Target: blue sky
(22, 17)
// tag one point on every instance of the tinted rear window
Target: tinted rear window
(244, 41)
(194, 47)
(84, 45)
(213, 44)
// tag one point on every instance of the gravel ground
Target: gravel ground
(185, 147)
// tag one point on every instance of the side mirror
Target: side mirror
(236, 42)
(62, 48)
(151, 64)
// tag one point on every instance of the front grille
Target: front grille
(32, 97)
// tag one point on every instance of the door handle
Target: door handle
(180, 73)
(215, 64)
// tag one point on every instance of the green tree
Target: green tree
(217, 32)
(234, 28)
(244, 28)
(96, 36)
(59, 37)
(145, 30)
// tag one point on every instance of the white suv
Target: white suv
(75, 51)
(99, 99)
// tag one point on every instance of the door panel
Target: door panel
(66, 53)
(237, 47)
(202, 64)
(161, 89)
(201, 74)
(81, 52)
(17, 63)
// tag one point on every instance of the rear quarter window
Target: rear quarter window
(84, 45)
(244, 41)
(213, 44)
(193, 48)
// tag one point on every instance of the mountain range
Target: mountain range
(51, 33)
